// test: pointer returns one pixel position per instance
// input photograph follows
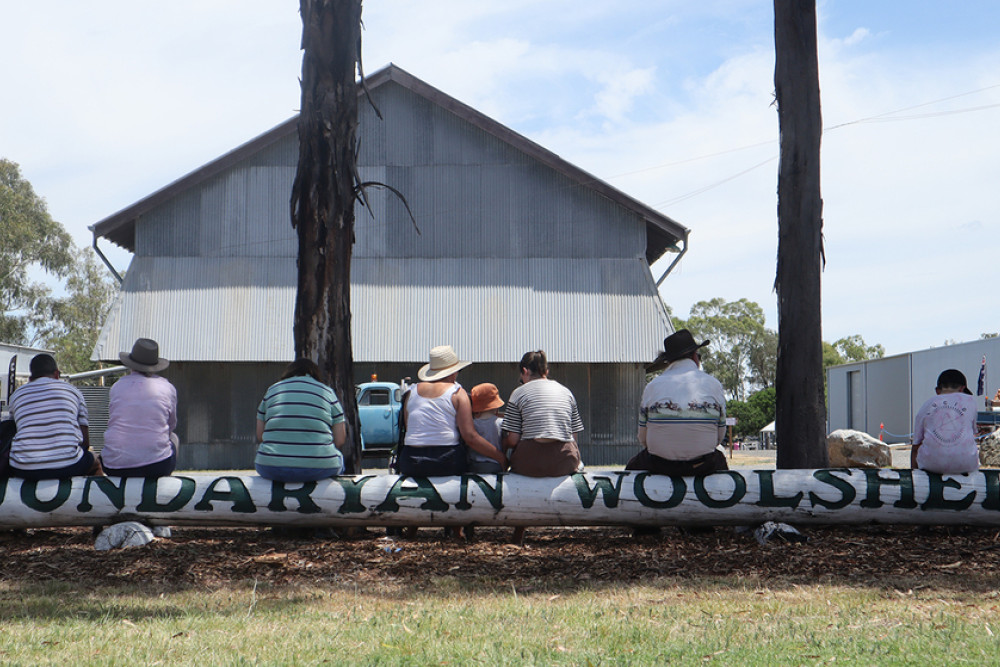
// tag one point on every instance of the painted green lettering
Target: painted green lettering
(767, 497)
(302, 494)
(237, 494)
(352, 493)
(873, 489)
(115, 494)
(935, 496)
(992, 499)
(493, 494)
(609, 493)
(739, 490)
(29, 495)
(847, 491)
(148, 503)
(676, 496)
(432, 500)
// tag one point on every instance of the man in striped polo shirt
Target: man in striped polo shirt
(53, 438)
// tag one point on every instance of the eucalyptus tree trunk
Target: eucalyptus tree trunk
(323, 198)
(800, 412)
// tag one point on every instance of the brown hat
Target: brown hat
(485, 397)
(144, 357)
(676, 346)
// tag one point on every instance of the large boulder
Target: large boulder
(855, 449)
(989, 451)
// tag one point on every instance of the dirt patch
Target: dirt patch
(959, 558)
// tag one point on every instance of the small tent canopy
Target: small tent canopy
(767, 440)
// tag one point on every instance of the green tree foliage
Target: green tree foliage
(29, 240)
(71, 324)
(743, 352)
(848, 349)
(753, 414)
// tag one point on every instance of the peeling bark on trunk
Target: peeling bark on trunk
(323, 197)
(800, 412)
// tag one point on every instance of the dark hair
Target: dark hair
(302, 367)
(42, 365)
(535, 363)
(951, 379)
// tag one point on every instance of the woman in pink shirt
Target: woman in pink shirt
(142, 415)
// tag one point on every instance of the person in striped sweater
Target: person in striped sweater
(53, 432)
(300, 427)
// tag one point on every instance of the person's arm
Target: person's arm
(85, 430)
(260, 431)
(463, 419)
(917, 439)
(642, 436)
(340, 434)
(512, 439)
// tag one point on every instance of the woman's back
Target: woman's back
(431, 415)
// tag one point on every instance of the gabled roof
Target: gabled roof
(663, 233)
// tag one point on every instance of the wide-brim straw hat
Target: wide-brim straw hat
(145, 357)
(443, 362)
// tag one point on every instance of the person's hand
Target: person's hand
(97, 470)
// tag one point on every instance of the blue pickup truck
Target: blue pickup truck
(379, 404)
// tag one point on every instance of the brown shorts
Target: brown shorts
(544, 459)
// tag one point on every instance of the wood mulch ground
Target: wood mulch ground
(551, 558)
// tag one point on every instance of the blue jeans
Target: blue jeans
(81, 467)
(282, 474)
(159, 469)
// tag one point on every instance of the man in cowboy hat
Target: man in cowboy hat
(682, 415)
(53, 435)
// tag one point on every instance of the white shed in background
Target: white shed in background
(881, 396)
(23, 355)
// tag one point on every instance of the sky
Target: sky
(670, 101)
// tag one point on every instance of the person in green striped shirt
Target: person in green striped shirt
(300, 427)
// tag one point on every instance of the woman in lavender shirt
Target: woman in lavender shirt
(142, 415)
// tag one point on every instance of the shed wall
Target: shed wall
(217, 404)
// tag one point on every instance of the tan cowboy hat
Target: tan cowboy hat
(145, 356)
(443, 363)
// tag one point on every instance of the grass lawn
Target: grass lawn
(723, 621)
(244, 600)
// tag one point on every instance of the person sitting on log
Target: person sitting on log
(486, 402)
(53, 429)
(944, 430)
(541, 421)
(142, 415)
(682, 414)
(437, 415)
(300, 427)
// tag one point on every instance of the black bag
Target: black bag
(7, 430)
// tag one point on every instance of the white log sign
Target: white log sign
(828, 496)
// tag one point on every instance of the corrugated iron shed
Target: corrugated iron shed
(600, 311)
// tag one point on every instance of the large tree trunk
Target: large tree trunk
(323, 199)
(800, 413)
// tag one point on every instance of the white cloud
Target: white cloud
(114, 99)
